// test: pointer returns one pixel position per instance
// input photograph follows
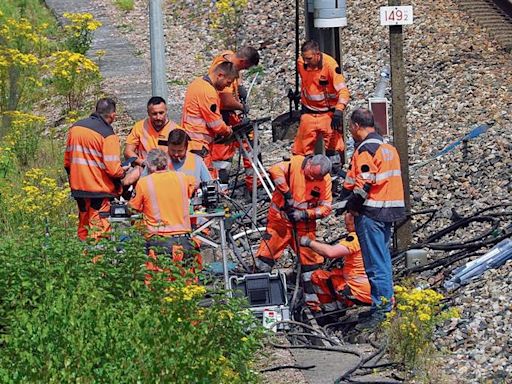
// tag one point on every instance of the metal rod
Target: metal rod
(157, 48)
(254, 167)
(224, 254)
(254, 181)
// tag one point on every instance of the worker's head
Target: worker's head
(177, 144)
(361, 124)
(106, 108)
(310, 52)
(157, 160)
(157, 112)
(246, 58)
(317, 167)
(349, 222)
(223, 75)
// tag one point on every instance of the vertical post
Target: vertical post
(255, 150)
(404, 232)
(157, 44)
(223, 250)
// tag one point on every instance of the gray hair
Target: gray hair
(322, 161)
(157, 160)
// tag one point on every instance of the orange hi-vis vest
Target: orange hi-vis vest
(377, 164)
(163, 197)
(145, 137)
(222, 58)
(201, 113)
(92, 159)
(323, 89)
(313, 196)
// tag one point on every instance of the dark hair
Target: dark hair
(105, 106)
(155, 100)
(250, 54)
(363, 117)
(227, 68)
(178, 137)
(310, 45)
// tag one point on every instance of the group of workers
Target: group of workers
(168, 161)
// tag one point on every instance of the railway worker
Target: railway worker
(302, 195)
(92, 162)
(202, 119)
(232, 104)
(324, 97)
(151, 132)
(340, 286)
(374, 195)
(163, 197)
(182, 160)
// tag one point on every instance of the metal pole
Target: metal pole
(255, 150)
(404, 232)
(223, 246)
(157, 46)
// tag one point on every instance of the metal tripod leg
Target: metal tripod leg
(254, 167)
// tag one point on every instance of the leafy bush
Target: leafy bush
(226, 20)
(80, 31)
(66, 319)
(124, 5)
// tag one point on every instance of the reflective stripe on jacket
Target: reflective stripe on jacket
(324, 88)
(313, 196)
(377, 164)
(201, 112)
(92, 158)
(145, 137)
(163, 197)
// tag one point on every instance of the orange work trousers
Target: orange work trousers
(311, 126)
(90, 223)
(331, 286)
(279, 235)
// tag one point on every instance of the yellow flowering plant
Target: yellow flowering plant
(411, 324)
(80, 31)
(226, 20)
(24, 135)
(73, 75)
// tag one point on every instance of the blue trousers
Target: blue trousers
(374, 240)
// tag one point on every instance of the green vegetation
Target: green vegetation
(124, 5)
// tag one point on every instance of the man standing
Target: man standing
(342, 285)
(374, 194)
(232, 99)
(163, 197)
(302, 195)
(182, 160)
(202, 119)
(92, 161)
(151, 132)
(324, 96)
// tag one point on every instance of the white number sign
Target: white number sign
(398, 15)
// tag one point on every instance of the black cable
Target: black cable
(279, 367)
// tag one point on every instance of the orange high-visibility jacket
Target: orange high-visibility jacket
(201, 112)
(164, 198)
(324, 88)
(377, 165)
(192, 166)
(221, 58)
(146, 138)
(313, 196)
(92, 159)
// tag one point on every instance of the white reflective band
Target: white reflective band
(303, 205)
(349, 180)
(318, 212)
(342, 100)
(279, 181)
(90, 163)
(371, 141)
(199, 137)
(355, 279)
(332, 95)
(214, 124)
(326, 203)
(317, 109)
(384, 204)
(306, 276)
(79, 148)
(368, 176)
(388, 174)
(361, 192)
(340, 86)
(195, 120)
(320, 97)
(111, 158)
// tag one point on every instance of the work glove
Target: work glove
(242, 92)
(296, 215)
(305, 241)
(355, 203)
(288, 201)
(337, 120)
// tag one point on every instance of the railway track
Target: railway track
(494, 15)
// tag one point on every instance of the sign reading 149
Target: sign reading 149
(398, 15)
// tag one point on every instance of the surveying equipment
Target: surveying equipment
(265, 292)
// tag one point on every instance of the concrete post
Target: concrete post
(157, 44)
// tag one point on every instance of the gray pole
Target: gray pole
(404, 232)
(157, 43)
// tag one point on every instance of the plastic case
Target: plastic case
(263, 291)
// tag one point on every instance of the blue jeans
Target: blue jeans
(374, 239)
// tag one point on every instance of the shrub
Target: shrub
(411, 324)
(80, 31)
(66, 319)
(124, 5)
(226, 20)
(25, 135)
